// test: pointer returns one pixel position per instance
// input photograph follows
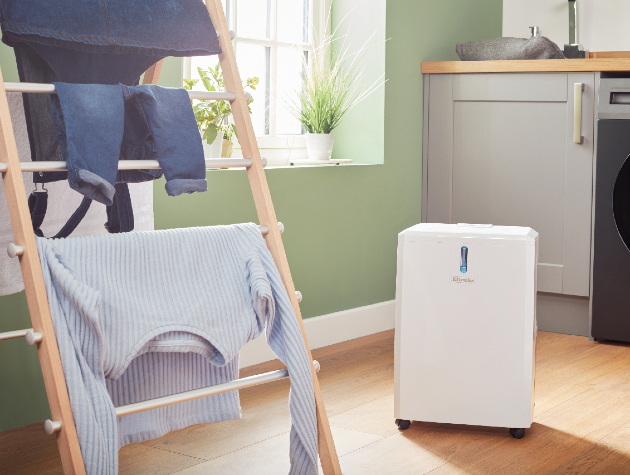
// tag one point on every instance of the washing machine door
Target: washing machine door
(610, 292)
(621, 203)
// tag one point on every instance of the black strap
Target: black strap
(120, 213)
(38, 204)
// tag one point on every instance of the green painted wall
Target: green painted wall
(341, 222)
(7, 62)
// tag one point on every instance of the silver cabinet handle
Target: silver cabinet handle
(578, 87)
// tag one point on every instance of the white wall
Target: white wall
(603, 25)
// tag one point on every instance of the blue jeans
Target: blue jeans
(94, 123)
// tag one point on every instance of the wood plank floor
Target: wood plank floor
(582, 423)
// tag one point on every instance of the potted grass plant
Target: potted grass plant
(213, 117)
(330, 87)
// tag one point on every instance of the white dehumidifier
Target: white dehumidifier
(466, 325)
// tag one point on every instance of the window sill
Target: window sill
(308, 162)
(311, 164)
(292, 156)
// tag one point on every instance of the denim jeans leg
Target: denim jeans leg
(90, 123)
(177, 142)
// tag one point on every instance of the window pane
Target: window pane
(253, 19)
(293, 21)
(253, 61)
(288, 81)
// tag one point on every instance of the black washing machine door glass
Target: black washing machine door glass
(621, 202)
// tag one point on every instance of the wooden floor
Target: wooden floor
(582, 423)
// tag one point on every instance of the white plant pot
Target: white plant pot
(214, 149)
(319, 146)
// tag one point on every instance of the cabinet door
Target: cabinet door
(500, 150)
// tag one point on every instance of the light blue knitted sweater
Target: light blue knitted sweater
(143, 315)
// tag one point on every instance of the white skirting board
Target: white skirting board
(328, 330)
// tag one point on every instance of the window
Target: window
(272, 40)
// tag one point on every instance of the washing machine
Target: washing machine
(610, 293)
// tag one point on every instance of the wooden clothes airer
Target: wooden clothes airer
(43, 332)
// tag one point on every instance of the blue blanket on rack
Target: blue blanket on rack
(143, 315)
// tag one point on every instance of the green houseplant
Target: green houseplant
(330, 87)
(213, 117)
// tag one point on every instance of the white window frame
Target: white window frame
(276, 148)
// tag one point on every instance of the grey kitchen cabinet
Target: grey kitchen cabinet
(499, 149)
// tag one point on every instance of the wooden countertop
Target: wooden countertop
(531, 66)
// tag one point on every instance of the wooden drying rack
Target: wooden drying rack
(62, 424)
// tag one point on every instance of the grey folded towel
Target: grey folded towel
(538, 47)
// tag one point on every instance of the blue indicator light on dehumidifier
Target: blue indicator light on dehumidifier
(463, 261)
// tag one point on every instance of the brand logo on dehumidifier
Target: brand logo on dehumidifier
(463, 280)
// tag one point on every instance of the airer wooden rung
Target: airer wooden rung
(62, 423)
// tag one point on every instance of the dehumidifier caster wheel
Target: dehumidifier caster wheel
(403, 424)
(517, 433)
